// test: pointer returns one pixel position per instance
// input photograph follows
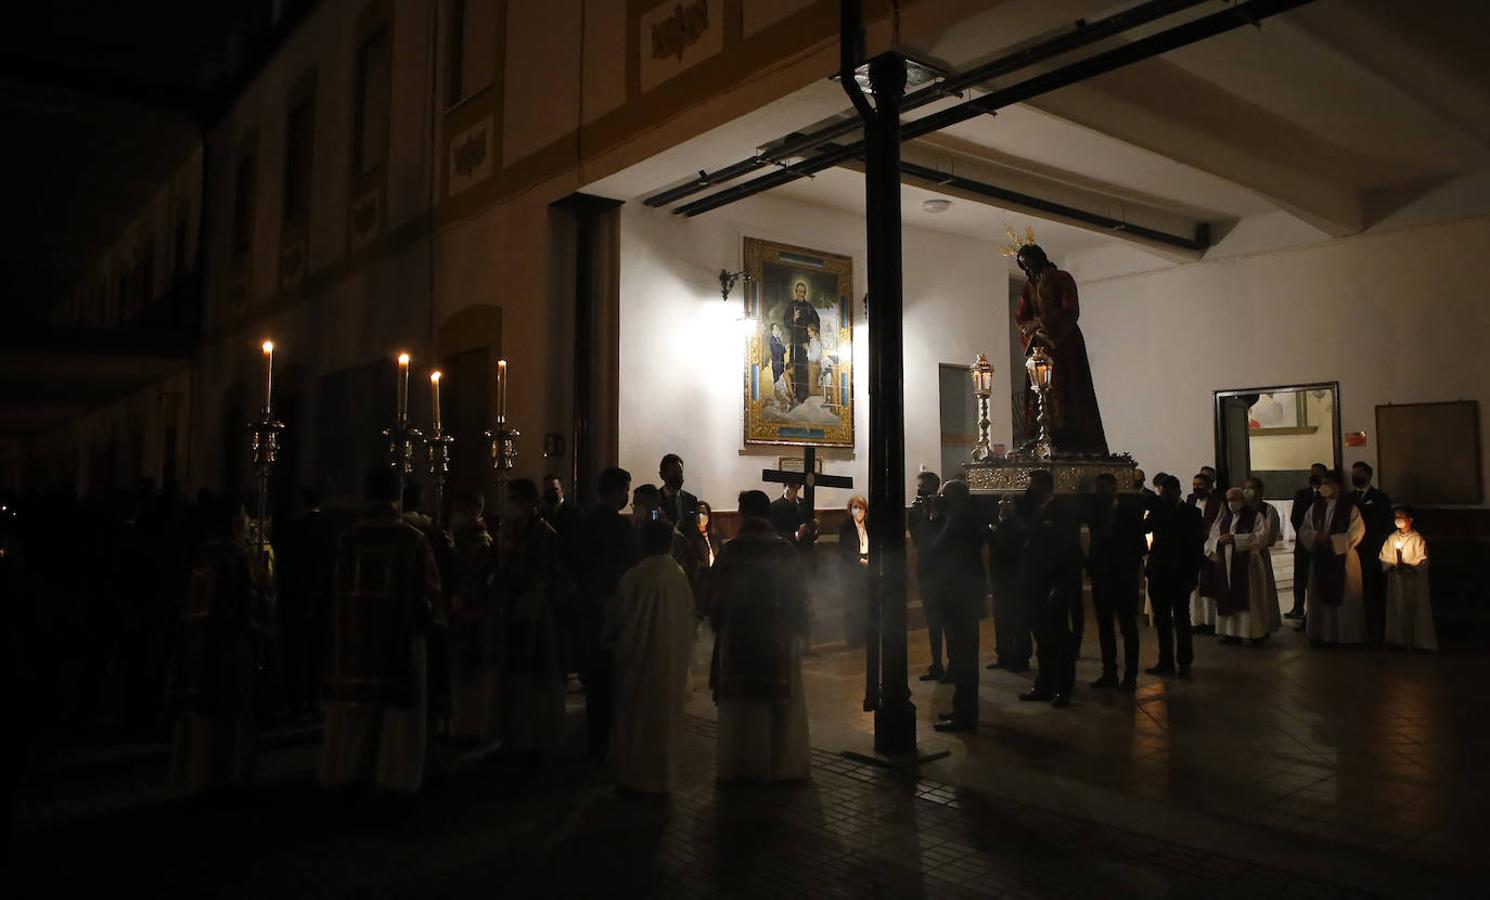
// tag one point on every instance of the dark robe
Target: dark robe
(1233, 596)
(759, 610)
(799, 317)
(387, 591)
(1329, 566)
(1075, 421)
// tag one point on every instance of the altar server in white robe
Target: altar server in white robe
(1252, 489)
(1404, 558)
(1331, 530)
(650, 630)
(760, 624)
(1235, 549)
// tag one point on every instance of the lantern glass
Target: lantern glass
(982, 373)
(1040, 368)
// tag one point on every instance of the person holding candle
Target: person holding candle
(1404, 561)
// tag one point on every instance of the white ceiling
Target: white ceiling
(1309, 116)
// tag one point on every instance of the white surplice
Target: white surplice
(764, 740)
(651, 630)
(1409, 609)
(377, 743)
(1275, 532)
(1254, 621)
(1345, 623)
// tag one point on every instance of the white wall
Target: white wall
(682, 349)
(1395, 316)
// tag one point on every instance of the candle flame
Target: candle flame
(435, 376)
(501, 363)
(268, 347)
(403, 359)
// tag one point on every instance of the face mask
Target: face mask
(1201, 490)
(551, 498)
(1237, 505)
(1314, 481)
(858, 514)
(923, 493)
(1359, 481)
(1250, 494)
(703, 521)
(674, 482)
(1327, 491)
(1402, 524)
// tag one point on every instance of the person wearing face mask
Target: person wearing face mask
(1175, 558)
(1303, 501)
(1333, 529)
(557, 510)
(853, 569)
(472, 651)
(925, 521)
(1234, 549)
(1252, 489)
(1211, 503)
(705, 542)
(1376, 512)
(1404, 560)
(678, 506)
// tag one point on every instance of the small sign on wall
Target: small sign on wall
(1355, 439)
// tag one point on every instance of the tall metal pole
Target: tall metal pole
(895, 717)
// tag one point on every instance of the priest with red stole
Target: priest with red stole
(1209, 501)
(1236, 546)
(1332, 529)
(212, 673)
(377, 690)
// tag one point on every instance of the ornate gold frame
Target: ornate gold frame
(758, 432)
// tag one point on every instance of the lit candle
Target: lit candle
(501, 390)
(268, 348)
(434, 389)
(1400, 542)
(403, 389)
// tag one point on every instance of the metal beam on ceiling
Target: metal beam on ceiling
(1084, 34)
(1251, 12)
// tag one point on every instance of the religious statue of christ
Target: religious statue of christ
(1046, 316)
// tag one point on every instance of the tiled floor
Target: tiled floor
(1368, 752)
(1278, 769)
(854, 831)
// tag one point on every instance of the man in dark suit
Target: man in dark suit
(925, 520)
(608, 548)
(1174, 564)
(791, 518)
(558, 511)
(678, 506)
(306, 577)
(1050, 574)
(1303, 501)
(1114, 561)
(958, 549)
(1376, 514)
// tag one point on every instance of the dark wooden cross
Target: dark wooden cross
(808, 478)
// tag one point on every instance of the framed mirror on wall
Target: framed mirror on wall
(1276, 433)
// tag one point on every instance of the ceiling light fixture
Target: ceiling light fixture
(936, 205)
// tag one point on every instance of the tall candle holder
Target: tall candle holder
(438, 444)
(263, 445)
(1042, 370)
(502, 441)
(403, 438)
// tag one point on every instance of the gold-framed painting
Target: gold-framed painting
(799, 366)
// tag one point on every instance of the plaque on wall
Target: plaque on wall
(799, 355)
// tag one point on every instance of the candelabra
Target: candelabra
(403, 441)
(503, 444)
(982, 372)
(264, 449)
(1041, 370)
(439, 466)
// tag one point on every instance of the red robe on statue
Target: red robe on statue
(1047, 313)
